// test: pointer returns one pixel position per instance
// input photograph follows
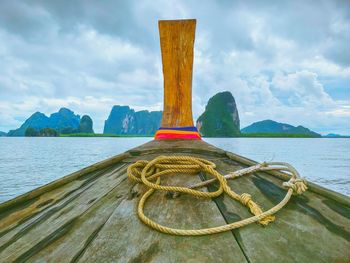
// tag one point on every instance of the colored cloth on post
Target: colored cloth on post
(189, 133)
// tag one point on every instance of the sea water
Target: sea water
(29, 162)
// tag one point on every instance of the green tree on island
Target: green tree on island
(31, 132)
(45, 132)
(48, 132)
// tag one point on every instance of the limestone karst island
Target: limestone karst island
(220, 119)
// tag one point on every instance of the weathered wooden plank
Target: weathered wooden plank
(173, 146)
(70, 246)
(23, 211)
(151, 156)
(24, 237)
(340, 198)
(90, 218)
(305, 229)
(124, 238)
(60, 182)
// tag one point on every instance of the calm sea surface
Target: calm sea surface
(27, 163)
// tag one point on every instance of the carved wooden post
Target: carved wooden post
(177, 41)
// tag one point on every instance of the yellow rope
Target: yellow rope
(150, 172)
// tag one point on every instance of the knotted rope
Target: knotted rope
(149, 173)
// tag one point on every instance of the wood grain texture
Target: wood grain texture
(177, 41)
(124, 238)
(307, 229)
(29, 196)
(92, 218)
(38, 231)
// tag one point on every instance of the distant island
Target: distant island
(219, 119)
(62, 122)
(272, 128)
(333, 135)
(126, 121)
(122, 122)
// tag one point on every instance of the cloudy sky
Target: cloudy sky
(283, 60)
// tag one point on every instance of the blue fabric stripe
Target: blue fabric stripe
(188, 128)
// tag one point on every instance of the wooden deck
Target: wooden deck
(90, 216)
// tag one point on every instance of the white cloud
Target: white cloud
(89, 57)
(301, 89)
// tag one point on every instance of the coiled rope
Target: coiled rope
(149, 173)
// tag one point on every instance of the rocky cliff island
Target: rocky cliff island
(220, 118)
(126, 121)
(64, 121)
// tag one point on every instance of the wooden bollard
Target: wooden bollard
(177, 42)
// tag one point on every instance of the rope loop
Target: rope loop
(149, 173)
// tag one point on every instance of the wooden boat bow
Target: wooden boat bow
(90, 215)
